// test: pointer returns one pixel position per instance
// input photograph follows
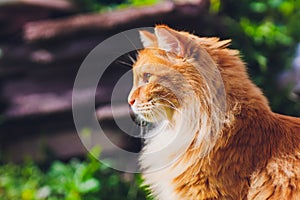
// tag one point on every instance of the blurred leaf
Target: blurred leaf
(262, 61)
(27, 194)
(259, 7)
(90, 185)
(286, 8)
(215, 6)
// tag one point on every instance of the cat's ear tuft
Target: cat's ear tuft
(148, 39)
(169, 40)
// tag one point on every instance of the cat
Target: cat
(215, 136)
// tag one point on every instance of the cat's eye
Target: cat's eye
(146, 77)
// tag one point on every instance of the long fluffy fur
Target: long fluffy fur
(204, 151)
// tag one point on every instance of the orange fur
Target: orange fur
(256, 154)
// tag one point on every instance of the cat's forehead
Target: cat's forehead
(154, 56)
(151, 56)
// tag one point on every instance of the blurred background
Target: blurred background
(42, 45)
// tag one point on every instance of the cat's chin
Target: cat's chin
(145, 118)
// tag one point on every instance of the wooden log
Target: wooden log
(110, 21)
(15, 13)
(47, 91)
(64, 5)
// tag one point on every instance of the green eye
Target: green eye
(146, 77)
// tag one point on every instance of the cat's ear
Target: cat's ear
(169, 40)
(148, 39)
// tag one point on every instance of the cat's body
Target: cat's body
(201, 151)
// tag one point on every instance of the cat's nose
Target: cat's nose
(131, 101)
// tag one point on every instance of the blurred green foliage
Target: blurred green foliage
(75, 180)
(266, 32)
(106, 5)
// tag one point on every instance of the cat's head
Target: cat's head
(165, 77)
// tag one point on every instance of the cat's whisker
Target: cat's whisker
(172, 106)
(167, 100)
(157, 113)
(131, 58)
(163, 115)
(124, 63)
(153, 118)
(168, 106)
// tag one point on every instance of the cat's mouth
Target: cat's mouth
(153, 111)
(146, 111)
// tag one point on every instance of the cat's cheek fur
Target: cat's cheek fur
(169, 113)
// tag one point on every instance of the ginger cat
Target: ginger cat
(215, 135)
